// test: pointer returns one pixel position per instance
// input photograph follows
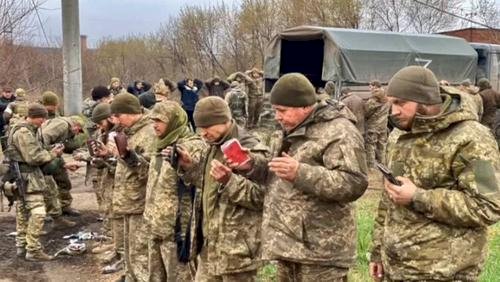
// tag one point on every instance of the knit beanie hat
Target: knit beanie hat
(293, 90)
(415, 83)
(483, 83)
(210, 111)
(100, 92)
(125, 103)
(50, 98)
(20, 92)
(100, 112)
(36, 110)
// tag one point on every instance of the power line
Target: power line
(454, 15)
(40, 21)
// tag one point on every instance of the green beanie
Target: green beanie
(50, 98)
(415, 83)
(125, 103)
(100, 112)
(293, 90)
(210, 111)
(36, 110)
(483, 83)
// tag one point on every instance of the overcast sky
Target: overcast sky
(115, 18)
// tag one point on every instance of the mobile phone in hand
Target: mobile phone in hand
(234, 152)
(388, 174)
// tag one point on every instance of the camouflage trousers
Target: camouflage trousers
(255, 104)
(203, 275)
(51, 197)
(287, 271)
(163, 263)
(29, 222)
(61, 178)
(118, 227)
(104, 188)
(375, 144)
(136, 235)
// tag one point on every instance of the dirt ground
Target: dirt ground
(84, 267)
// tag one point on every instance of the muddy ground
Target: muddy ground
(85, 267)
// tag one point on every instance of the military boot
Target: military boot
(38, 256)
(62, 223)
(21, 252)
(70, 212)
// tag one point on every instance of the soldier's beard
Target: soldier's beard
(394, 121)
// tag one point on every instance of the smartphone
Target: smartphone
(388, 174)
(234, 152)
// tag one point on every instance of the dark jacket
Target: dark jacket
(189, 96)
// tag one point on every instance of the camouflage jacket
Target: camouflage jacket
(88, 107)
(491, 101)
(231, 220)
(25, 148)
(130, 181)
(162, 201)
(442, 235)
(238, 102)
(471, 101)
(311, 221)
(356, 105)
(376, 111)
(58, 130)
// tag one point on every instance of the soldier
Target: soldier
(318, 168)
(131, 177)
(100, 94)
(433, 227)
(376, 113)
(356, 105)
(25, 149)
(217, 87)
(237, 100)
(252, 82)
(491, 102)
(17, 110)
(65, 131)
(115, 86)
(50, 101)
(230, 221)
(167, 199)
(330, 88)
(161, 91)
(473, 99)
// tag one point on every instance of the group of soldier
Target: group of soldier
(178, 208)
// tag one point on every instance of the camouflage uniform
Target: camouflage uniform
(162, 203)
(491, 101)
(53, 131)
(377, 112)
(308, 225)
(88, 106)
(442, 234)
(237, 100)
(16, 111)
(24, 147)
(231, 219)
(129, 198)
(356, 105)
(254, 89)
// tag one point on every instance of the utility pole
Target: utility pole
(72, 58)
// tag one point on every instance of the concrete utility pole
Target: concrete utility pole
(72, 59)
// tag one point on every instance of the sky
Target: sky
(112, 18)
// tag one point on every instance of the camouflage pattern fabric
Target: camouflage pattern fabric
(442, 235)
(237, 101)
(136, 248)
(491, 101)
(163, 265)
(377, 113)
(88, 106)
(472, 101)
(295, 272)
(29, 222)
(231, 227)
(266, 118)
(311, 221)
(255, 105)
(204, 275)
(51, 197)
(356, 105)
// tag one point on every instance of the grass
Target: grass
(366, 209)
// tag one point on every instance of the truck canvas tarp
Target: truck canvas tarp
(357, 56)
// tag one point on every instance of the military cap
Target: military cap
(210, 111)
(126, 103)
(293, 90)
(50, 98)
(36, 110)
(415, 83)
(100, 112)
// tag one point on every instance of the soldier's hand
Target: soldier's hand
(376, 270)
(220, 172)
(244, 167)
(72, 166)
(79, 156)
(57, 150)
(100, 149)
(401, 195)
(284, 167)
(185, 159)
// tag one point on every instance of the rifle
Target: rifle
(14, 185)
(19, 180)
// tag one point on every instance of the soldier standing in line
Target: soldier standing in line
(25, 149)
(237, 100)
(252, 83)
(50, 101)
(230, 222)
(491, 102)
(168, 201)
(433, 226)
(357, 107)
(131, 177)
(376, 113)
(217, 87)
(317, 170)
(115, 86)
